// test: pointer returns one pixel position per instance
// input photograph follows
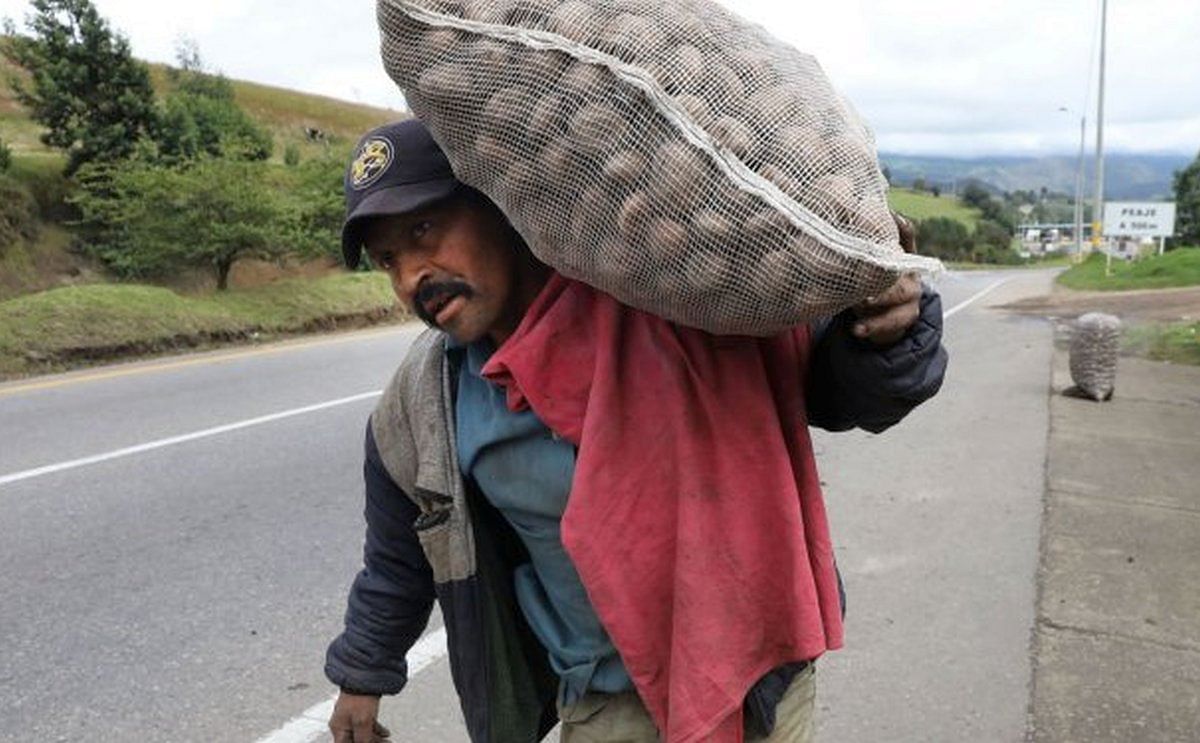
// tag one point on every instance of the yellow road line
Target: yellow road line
(217, 358)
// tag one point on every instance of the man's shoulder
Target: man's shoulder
(419, 372)
(409, 414)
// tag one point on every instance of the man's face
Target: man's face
(453, 265)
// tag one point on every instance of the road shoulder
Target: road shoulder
(1117, 641)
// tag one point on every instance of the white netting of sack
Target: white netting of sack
(664, 151)
(1095, 346)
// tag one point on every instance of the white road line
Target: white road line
(163, 443)
(962, 306)
(314, 722)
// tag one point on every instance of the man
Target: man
(620, 518)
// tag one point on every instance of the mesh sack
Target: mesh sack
(664, 151)
(1095, 343)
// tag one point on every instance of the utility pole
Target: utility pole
(1098, 215)
(1078, 211)
(1079, 191)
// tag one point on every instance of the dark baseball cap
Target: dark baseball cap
(396, 169)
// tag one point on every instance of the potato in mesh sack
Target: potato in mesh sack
(666, 152)
(1095, 345)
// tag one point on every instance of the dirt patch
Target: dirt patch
(1136, 307)
(251, 274)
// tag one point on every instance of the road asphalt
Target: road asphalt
(186, 591)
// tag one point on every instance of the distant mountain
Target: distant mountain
(1133, 177)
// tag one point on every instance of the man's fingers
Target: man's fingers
(889, 326)
(908, 232)
(364, 731)
(382, 733)
(907, 289)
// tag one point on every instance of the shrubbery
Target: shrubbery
(950, 240)
(149, 221)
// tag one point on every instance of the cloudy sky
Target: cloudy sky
(931, 76)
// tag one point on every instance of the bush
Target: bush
(944, 238)
(989, 234)
(316, 206)
(145, 221)
(193, 125)
(5, 157)
(291, 156)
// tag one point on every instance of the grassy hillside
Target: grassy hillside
(286, 113)
(920, 205)
(73, 326)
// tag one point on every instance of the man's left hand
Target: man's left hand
(885, 319)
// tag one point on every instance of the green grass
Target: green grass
(1177, 268)
(286, 113)
(919, 205)
(1175, 342)
(71, 326)
(1058, 261)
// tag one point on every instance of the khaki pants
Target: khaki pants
(621, 718)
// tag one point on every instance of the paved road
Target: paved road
(185, 592)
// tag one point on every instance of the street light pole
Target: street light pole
(1079, 191)
(1078, 211)
(1098, 215)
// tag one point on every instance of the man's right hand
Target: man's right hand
(355, 720)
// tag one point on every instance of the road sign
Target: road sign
(1139, 219)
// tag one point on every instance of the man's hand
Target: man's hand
(885, 319)
(354, 720)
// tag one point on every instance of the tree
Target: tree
(975, 195)
(1187, 204)
(85, 87)
(992, 235)
(145, 220)
(200, 117)
(943, 238)
(992, 209)
(316, 205)
(919, 184)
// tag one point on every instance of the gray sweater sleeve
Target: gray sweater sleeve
(391, 598)
(854, 384)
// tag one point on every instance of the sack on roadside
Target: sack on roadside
(665, 151)
(1095, 345)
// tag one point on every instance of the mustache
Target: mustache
(432, 292)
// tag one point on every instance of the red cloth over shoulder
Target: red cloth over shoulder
(695, 519)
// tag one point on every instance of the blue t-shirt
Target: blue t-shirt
(525, 471)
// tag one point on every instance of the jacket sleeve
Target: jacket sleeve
(391, 598)
(854, 384)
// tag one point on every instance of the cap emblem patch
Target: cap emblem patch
(371, 163)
